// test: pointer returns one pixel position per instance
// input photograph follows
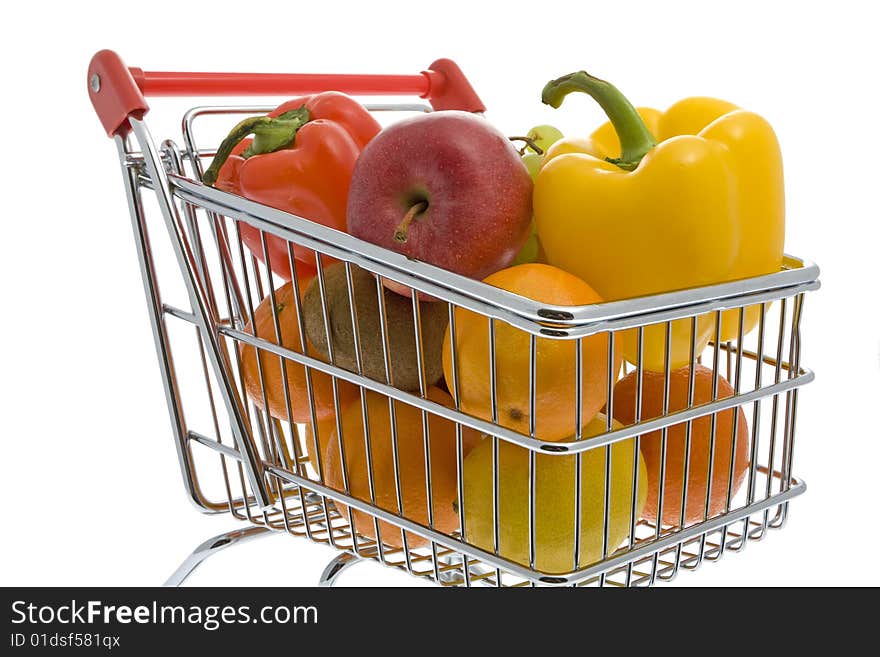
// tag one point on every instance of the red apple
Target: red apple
(445, 188)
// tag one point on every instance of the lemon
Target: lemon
(554, 501)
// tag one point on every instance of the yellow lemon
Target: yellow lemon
(554, 501)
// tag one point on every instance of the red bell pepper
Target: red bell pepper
(300, 161)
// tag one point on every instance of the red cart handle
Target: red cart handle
(117, 92)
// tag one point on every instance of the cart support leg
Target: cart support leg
(212, 546)
(334, 568)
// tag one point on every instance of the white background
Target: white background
(90, 483)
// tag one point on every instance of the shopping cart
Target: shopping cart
(238, 459)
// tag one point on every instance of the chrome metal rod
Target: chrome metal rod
(213, 546)
(334, 569)
(571, 577)
(563, 446)
(160, 337)
(216, 354)
(530, 315)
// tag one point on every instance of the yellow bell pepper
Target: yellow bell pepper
(634, 215)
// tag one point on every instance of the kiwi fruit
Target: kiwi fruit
(399, 314)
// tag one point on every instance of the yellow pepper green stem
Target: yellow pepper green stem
(635, 138)
(668, 214)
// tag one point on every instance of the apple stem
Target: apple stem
(531, 143)
(401, 233)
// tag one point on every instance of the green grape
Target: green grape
(544, 136)
(529, 251)
(533, 163)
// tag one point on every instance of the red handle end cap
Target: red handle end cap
(450, 88)
(114, 93)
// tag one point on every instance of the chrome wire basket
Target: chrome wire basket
(270, 472)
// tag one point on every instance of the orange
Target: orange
(411, 465)
(326, 427)
(322, 384)
(556, 359)
(698, 471)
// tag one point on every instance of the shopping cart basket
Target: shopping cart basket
(237, 458)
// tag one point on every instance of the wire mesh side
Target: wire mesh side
(303, 448)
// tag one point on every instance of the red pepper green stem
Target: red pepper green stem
(635, 138)
(270, 134)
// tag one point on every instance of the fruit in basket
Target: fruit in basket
(542, 137)
(533, 163)
(410, 464)
(531, 250)
(269, 368)
(655, 216)
(445, 188)
(300, 161)
(556, 359)
(555, 495)
(654, 342)
(399, 322)
(700, 449)
(319, 438)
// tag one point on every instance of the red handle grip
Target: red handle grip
(117, 92)
(270, 84)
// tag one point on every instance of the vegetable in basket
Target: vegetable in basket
(300, 161)
(634, 214)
